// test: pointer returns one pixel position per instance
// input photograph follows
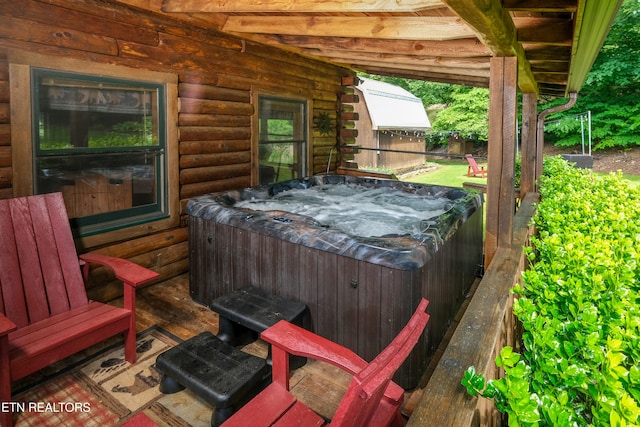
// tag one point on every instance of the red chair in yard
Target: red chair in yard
(45, 315)
(473, 169)
(371, 399)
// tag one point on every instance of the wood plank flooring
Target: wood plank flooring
(317, 384)
(169, 305)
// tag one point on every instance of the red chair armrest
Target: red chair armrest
(301, 342)
(6, 325)
(292, 339)
(127, 271)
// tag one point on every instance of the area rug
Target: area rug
(104, 390)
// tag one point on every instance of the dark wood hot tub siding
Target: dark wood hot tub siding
(355, 303)
(217, 76)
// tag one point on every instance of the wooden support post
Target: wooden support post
(501, 154)
(528, 152)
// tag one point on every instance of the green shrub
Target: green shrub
(579, 305)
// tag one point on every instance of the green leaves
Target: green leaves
(466, 113)
(579, 305)
(611, 90)
(473, 382)
(511, 394)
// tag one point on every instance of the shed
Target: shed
(390, 118)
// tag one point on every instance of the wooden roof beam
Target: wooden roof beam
(453, 64)
(540, 52)
(387, 27)
(461, 48)
(307, 6)
(553, 90)
(460, 65)
(495, 29)
(463, 79)
(556, 32)
(411, 66)
(550, 67)
(552, 78)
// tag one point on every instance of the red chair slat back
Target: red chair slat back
(39, 271)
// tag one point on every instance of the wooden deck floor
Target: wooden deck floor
(317, 384)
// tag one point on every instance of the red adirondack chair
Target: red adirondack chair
(473, 169)
(45, 314)
(371, 399)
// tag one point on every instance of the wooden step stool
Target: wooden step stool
(222, 375)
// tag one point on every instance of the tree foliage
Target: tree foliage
(611, 91)
(467, 113)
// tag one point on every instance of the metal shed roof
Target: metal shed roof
(392, 107)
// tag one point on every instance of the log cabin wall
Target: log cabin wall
(218, 77)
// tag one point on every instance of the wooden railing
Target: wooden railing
(485, 328)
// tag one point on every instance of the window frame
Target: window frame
(23, 138)
(306, 125)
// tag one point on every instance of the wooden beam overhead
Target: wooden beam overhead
(306, 6)
(387, 27)
(551, 32)
(548, 37)
(400, 64)
(550, 67)
(539, 52)
(552, 78)
(495, 29)
(464, 80)
(461, 48)
(490, 22)
(553, 90)
(461, 66)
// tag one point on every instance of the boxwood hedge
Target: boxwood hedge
(579, 305)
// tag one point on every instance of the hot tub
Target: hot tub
(361, 282)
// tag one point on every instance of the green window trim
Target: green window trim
(102, 142)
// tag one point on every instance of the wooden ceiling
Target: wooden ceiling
(448, 41)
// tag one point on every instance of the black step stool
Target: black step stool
(246, 312)
(222, 375)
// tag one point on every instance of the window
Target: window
(282, 144)
(102, 142)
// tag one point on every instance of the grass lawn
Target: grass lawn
(450, 173)
(633, 179)
(453, 174)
